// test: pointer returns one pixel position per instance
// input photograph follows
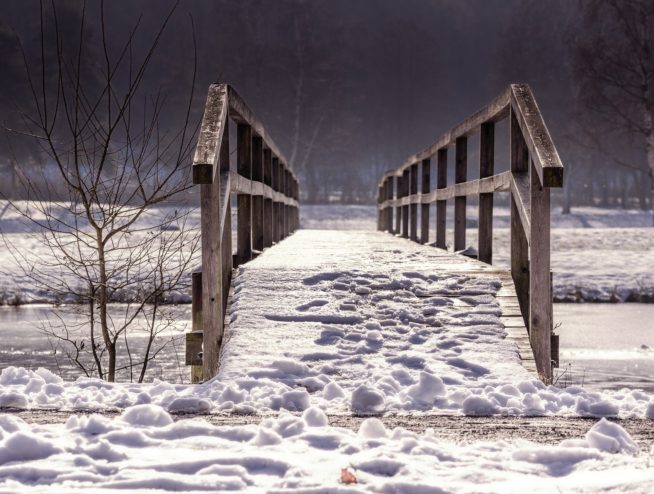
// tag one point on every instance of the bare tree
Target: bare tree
(614, 66)
(114, 168)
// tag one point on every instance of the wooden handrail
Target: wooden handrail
(535, 167)
(267, 193)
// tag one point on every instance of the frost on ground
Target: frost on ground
(351, 322)
(143, 450)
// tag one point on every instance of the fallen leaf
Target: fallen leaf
(347, 476)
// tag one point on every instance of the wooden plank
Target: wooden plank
(538, 140)
(540, 295)
(257, 200)
(460, 174)
(486, 169)
(441, 205)
(244, 198)
(497, 183)
(240, 184)
(413, 173)
(212, 128)
(424, 213)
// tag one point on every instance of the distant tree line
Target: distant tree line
(349, 89)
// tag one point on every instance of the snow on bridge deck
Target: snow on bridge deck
(373, 322)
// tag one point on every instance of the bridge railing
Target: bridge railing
(267, 193)
(535, 167)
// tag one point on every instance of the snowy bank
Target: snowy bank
(145, 451)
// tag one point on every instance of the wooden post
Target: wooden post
(267, 203)
(540, 295)
(212, 264)
(275, 186)
(441, 205)
(460, 176)
(414, 207)
(486, 169)
(424, 213)
(389, 209)
(519, 160)
(279, 224)
(196, 326)
(397, 228)
(244, 201)
(405, 209)
(257, 201)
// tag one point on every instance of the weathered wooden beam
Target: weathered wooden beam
(194, 338)
(522, 195)
(397, 228)
(212, 128)
(424, 212)
(268, 202)
(244, 198)
(486, 169)
(461, 175)
(538, 140)
(496, 183)
(441, 205)
(413, 209)
(212, 265)
(540, 295)
(405, 208)
(257, 200)
(519, 159)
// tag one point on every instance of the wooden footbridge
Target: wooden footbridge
(267, 211)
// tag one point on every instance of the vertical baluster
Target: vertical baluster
(441, 205)
(405, 208)
(424, 213)
(414, 207)
(397, 193)
(267, 203)
(540, 295)
(257, 201)
(519, 246)
(486, 169)
(460, 175)
(275, 185)
(244, 201)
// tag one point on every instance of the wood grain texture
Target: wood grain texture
(244, 198)
(460, 176)
(540, 295)
(441, 205)
(413, 208)
(257, 200)
(212, 128)
(486, 169)
(424, 213)
(538, 140)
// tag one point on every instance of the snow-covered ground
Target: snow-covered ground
(144, 450)
(351, 322)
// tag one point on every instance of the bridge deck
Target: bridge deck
(332, 310)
